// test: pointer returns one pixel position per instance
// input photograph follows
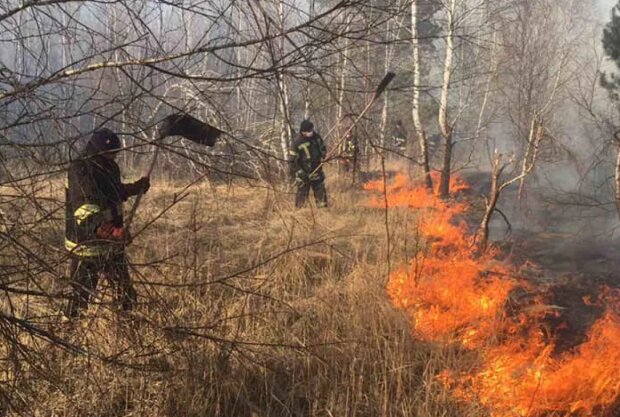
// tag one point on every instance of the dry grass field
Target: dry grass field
(247, 307)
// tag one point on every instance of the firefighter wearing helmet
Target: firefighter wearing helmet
(307, 155)
(95, 235)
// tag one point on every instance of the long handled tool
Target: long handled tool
(380, 89)
(182, 125)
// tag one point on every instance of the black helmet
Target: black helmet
(306, 126)
(104, 140)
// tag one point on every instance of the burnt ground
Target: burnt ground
(568, 254)
(573, 271)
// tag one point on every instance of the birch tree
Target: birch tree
(420, 131)
(446, 126)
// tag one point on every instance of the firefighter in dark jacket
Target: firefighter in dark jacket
(307, 156)
(95, 234)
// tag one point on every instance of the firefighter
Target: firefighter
(349, 153)
(307, 155)
(94, 233)
(399, 137)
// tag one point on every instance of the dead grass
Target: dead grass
(247, 308)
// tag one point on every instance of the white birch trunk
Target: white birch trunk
(415, 107)
(342, 82)
(535, 137)
(444, 125)
(385, 110)
(286, 140)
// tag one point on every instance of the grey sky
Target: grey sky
(606, 5)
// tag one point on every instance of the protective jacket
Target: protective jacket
(94, 196)
(307, 154)
(348, 147)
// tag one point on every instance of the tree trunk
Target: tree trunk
(384, 120)
(308, 85)
(342, 81)
(490, 204)
(444, 125)
(444, 181)
(529, 159)
(285, 132)
(286, 140)
(417, 122)
(617, 178)
(487, 89)
(386, 103)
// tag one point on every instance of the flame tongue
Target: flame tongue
(452, 295)
(520, 377)
(428, 285)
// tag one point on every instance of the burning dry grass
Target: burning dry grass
(251, 308)
(455, 295)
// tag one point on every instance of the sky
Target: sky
(606, 5)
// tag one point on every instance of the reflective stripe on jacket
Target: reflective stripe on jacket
(307, 154)
(89, 250)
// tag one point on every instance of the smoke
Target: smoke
(566, 218)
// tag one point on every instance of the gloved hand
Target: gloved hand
(301, 177)
(140, 186)
(108, 231)
(143, 184)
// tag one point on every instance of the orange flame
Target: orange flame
(454, 295)
(428, 286)
(522, 378)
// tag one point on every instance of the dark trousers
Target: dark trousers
(85, 276)
(349, 165)
(318, 188)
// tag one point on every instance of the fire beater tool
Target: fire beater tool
(179, 124)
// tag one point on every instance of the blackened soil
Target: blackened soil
(568, 261)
